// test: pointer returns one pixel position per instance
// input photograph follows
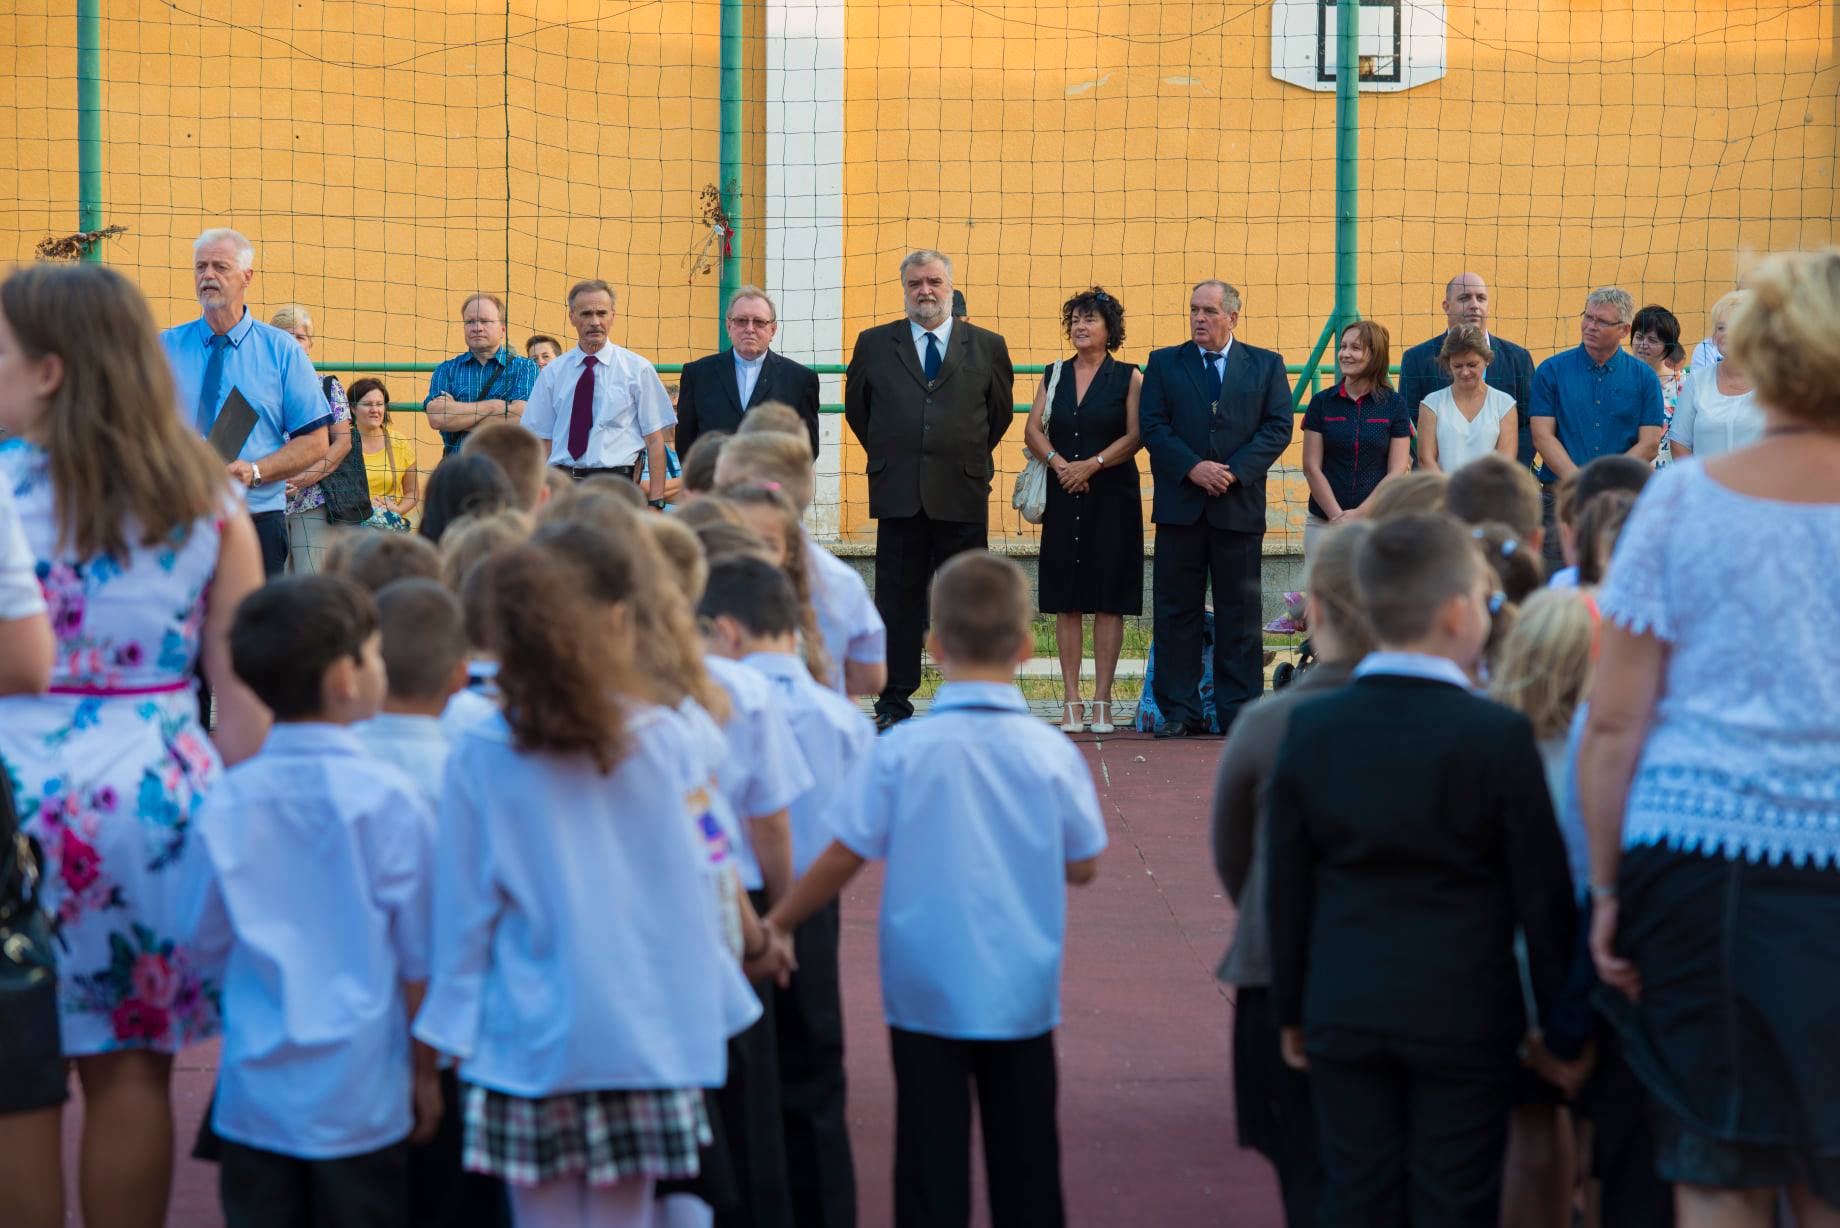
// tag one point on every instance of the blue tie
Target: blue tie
(932, 357)
(208, 400)
(1213, 370)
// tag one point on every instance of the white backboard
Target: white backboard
(1402, 43)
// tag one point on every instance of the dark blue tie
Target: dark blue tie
(208, 400)
(932, 357)
(1213, 370)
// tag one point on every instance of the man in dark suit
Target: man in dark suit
(928, 397)
(1466, 301)
(716, 390)
(1216, 414)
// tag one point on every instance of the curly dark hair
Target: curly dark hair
(1101, 304)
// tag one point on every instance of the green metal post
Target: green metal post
(89, 121)
(734, 46)
(1347, 179)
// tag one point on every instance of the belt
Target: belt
(583, 472)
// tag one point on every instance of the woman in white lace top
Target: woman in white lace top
(1710, 780)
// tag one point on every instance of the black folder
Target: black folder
(234, 423)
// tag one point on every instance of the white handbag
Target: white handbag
(1031, 495)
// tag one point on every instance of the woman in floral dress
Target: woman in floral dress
(142, 551)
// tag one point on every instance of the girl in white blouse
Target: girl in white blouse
(1468, 419)
(579, 973)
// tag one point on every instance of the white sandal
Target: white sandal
(1071, 720)
(1102, 717)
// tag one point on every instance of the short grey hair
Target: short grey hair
(1229, 296)
(290, 316)
(245, 250)
(1611, 296)
(591, 286)
(925, 255)
(753, 291)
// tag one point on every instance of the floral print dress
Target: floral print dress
(109, 769)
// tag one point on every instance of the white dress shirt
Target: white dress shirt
(417, 746)
(763, 772)
(629, 403)
(977, 810)
(848, 622)
(1414, 665)
(1711, 422)
(322, 861)
(574, 945)
(943, 333)
(833, 736)
(747, 374)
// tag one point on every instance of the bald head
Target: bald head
(1466, 300)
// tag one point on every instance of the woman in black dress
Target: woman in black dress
(1092, 536)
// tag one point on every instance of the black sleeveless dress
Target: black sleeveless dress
(1092, 545)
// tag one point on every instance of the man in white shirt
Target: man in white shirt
(599, 407)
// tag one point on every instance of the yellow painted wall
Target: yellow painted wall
(387, 158)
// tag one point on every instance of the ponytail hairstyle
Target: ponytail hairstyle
(1517, 567)
(562, 674)
(1331, 588)
(1544, 667)
(797, 566)
(1599, 525)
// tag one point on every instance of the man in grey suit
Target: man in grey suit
(928, 397)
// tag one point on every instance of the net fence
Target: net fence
(389, 158)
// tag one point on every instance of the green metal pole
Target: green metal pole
(1347, 156)
(89, 121)
(734, 46)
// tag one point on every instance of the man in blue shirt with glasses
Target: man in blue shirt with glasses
(228, 350)
(1593, 401)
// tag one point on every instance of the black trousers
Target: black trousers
(1187, 556)
(264, 1189)
(1552, 548)
(808, 1021)
(443, 1194)
(272, 537)
(1276, 1118)
(1409, 1133)
(751, 1120)
(1016, 1091)
(908, 550)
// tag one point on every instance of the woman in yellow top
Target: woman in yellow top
(389, 459)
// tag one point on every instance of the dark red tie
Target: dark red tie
(581, 417)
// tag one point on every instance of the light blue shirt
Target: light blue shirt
(833, 735)
(943, 332)
(575, 946)
(763, 772)
(977, 809)
(417, 746)
(848, 622)
(322, 865)
(1414, 665)
(747, 374)
(274, 375)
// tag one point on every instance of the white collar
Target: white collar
(942, 331)
(1223, 351)
(750, 362)
(1414, 665)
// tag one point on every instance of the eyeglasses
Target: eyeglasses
(750, 322)
(1590, 319)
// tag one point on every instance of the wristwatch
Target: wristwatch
(255, 475)
(660, 504)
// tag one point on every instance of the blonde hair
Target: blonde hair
(1786, 335)
(685, 562)
(771, 459)
(116, 401)
(796, 566)
(1543, 667)
(1414, 491)
(1330, 583)
(710, 509)
(776, 416)
(291, 316)
(476, 537)
(1720, 312)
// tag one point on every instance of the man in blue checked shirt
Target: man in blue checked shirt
(486, 383)
(226, 349)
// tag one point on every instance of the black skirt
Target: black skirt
(1737, 1034)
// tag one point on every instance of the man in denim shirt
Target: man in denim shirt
(486, 383)
(1593, 401)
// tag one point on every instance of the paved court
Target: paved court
(1146, 1100)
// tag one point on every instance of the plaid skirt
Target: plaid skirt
(604, 1136)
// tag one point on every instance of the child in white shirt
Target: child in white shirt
(752, 614)
(319, 904)
(982, 813)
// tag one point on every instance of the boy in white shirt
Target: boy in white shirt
(319, 905)
(983, 813)
(752, 615)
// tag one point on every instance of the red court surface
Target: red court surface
(1146, 1092)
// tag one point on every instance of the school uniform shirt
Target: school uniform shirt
(467, 708)
(574, 946)
(417, 746)
(714, 821)
(834, 737)
(320, 901)
(848, 622)
(630, 403)
(764, 770)
(977, 810)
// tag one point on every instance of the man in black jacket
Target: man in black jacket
(1466, 301)
(1216, 415)
(928, 397)
(715, 391)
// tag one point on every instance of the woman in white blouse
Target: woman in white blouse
(1717, 411)
(1468, 419)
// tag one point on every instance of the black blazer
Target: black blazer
(1410, 833)
(1179, 429)
(1511, 370)
(709, 399)
(930, 446)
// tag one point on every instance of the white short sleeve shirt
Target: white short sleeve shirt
(848, 622)
(630, 403)
(834, 737)
(764, 770)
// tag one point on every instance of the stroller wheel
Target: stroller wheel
(1283, 676)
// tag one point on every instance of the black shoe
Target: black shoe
(884, 721)
(1175, 729)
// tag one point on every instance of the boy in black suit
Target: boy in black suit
(1411, 834)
